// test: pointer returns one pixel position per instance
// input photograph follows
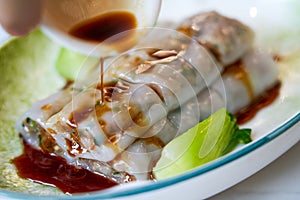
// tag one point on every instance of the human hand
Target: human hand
(19, 17)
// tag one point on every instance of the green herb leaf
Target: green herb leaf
(205, 142)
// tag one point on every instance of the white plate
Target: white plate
(277, 27)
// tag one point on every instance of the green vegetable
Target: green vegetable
(27, 73)
(205, 142)
(69, 63)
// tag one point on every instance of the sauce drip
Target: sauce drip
(45, 168)
(246, 114)
(104, 26)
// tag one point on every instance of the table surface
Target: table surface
(279, 180)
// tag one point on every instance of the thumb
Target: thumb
(19, 17)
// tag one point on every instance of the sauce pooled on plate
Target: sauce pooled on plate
(44, 168)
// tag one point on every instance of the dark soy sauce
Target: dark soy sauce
(102, 27)
(44, 168)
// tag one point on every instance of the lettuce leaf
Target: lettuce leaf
(69, 63)
(209, 140)
(27, 73)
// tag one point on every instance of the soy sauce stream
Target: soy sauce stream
(102, 79)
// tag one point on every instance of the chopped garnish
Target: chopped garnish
(116, 173)
(30, 122)
(40, 139)
(98, 103)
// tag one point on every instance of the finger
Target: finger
(19, 17)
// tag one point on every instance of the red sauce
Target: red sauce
(264, 100)
(102, 27)
(45, 168)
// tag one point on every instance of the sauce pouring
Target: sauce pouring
(85, 26)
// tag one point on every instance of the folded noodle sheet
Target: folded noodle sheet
(150, 96)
